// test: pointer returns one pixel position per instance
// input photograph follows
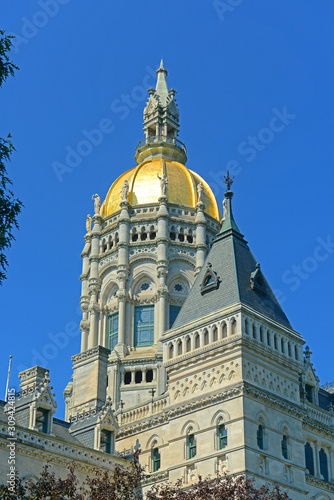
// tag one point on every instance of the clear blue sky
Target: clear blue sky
(255, 87)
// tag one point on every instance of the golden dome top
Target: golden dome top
(144, 187)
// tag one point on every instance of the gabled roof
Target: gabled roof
(239, 277)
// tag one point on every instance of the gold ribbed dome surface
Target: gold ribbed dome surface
(144, 187)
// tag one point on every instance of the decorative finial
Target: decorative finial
(228, 180)
(162, 68)
(307, 353)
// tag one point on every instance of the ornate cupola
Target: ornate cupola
(161, 124)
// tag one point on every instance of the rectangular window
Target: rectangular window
(173, 312)
(144, 326)
(112, 331)
(191, 446)
(156, 459)
(42, 418)
(105, 441)
(222, 436)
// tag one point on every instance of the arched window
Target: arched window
(254, 331)
(191, 446)
(309, 463)
(275, 341)
(112, 331)
(285, 446)
(181, 235)
(224, 330)
(156, 459)
(104, 245)
(289, 349)
(233, 326)
(152, 233)
(323, 464)
(214, 333)
(261, 334)
(134, 236)
(190, 238)
(188, 344)
(116, 238)
(143, 234)
(260, 437)
(268, 337)
(170, 351)
(246, 326)
(296, 353)
(172, 233)
(222, 436)
(197, 341)
(205, 337)
(179, 347)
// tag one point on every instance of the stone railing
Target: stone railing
(131, 415)
(320, 415)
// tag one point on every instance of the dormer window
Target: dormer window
(105, 441)
(42, 420)
(257, 280)
(210, 281)
(309, 393)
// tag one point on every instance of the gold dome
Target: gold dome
(144, 187)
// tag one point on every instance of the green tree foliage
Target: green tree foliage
(10, 207)
(125, 484)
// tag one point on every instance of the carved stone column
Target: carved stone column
(122, 276)
(94, 282)
(201, 247)
(162, 264)
(84, 299)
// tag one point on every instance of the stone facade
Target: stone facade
(186, 353)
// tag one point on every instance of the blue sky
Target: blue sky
(255, 92)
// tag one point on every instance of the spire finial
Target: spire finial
(228, 180)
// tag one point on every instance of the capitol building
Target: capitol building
(185, 353)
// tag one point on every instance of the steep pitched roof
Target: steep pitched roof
(230, 275)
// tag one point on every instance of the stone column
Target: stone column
(84, 299)
(201, 247)
(94, 282)
(316, 460)
(162, 265)
(122, 275)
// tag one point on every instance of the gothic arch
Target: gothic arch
(107, 268)
(220, 415)
(261, 417)
(155, 438)
(108, 291)
(140, 279)
(190, 424)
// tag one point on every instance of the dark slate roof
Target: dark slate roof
(233, 263)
